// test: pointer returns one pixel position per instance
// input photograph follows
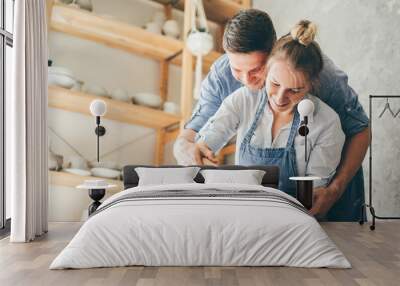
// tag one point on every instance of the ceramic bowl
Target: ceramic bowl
(79, 172)
(85, 4)
(60, 70)
(120, 94)
(107, 165)
(171, 29)
(76, 162)
(153, 27)
(61, 80)
(77, 86)
(159, 18)
(55, 161)
(95, 89)
(105, 173)
(171, 107)
(147, 99)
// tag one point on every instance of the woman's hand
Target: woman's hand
(203, 154)
(323, 200)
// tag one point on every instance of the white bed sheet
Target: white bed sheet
(200, 231)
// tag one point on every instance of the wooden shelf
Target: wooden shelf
(116, 110)
(71, 180)
(218, 11)
(116, 34)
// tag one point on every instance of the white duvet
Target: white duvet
(200, 231)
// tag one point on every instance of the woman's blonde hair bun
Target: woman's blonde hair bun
(304, 32)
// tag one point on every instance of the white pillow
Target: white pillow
(248, 177)
(164, 176)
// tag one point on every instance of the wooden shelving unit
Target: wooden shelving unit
(133, 39)
(218, 11)
(119, 35)
(71, 180)
(74, 101)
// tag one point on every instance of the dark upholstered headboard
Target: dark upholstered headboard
(270, 179)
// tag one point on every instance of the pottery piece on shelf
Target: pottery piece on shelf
(120, 94)
(55, 161)
(171, 107)
(77, 86)
(95, 89)
(64, 1)
(61, 80)
(85, 4)
(105, 173)
(108, 165)
(147, 99)
(153, 27)
(61, 76)
(171, 29)
(60, 70)
(77, 162)
(79, 172)
(159, 18)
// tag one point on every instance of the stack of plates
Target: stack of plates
(61, 76)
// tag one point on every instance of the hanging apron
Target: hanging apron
(285, 158)
(347, 208)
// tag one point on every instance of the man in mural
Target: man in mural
(248, 39)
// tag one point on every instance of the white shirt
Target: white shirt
(237, 112)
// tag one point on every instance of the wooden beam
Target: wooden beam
(247, 3)
(49, 9)
(218, 11)
(168, 11)
(115, 34)
(171, 135)
(89, 26)
(164, 76)
(187, 69)
(160, 144)
(116, 110)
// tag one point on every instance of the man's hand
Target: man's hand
(204, 154)
(186, 152)
(323, 200)
(352, 156)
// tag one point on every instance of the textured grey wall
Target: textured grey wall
(362, 38)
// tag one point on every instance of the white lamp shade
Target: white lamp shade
(98, 107)
(305, 107)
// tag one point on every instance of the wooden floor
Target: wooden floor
(375, 256)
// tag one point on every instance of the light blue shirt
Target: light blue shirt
(334, 91)
(236, 115)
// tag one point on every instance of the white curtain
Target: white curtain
(26, 123)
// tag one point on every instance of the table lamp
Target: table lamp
(304, 191)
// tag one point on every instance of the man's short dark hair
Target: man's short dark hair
(249, 31)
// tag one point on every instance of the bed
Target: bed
(201, 224)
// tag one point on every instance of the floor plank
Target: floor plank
(374, 255)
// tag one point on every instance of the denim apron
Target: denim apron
(347, 208)
(285, 158)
